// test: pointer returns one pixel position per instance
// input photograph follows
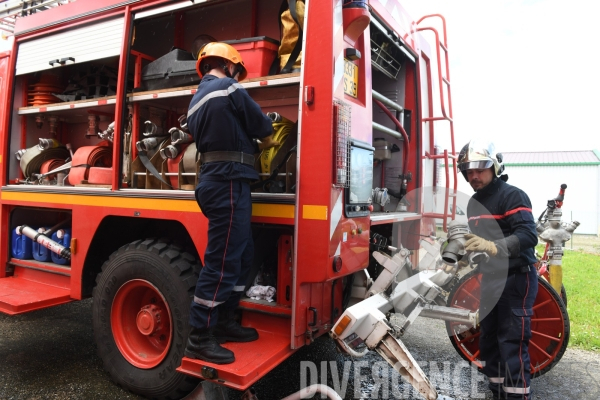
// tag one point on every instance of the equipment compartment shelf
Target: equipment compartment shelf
(252, 85)
(256, 83)
(102, 102)
(42, 266)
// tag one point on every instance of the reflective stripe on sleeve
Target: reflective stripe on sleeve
(496, 380)
(212, 95)
(239, 288)
(506, 214)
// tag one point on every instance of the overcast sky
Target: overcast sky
(524, 73)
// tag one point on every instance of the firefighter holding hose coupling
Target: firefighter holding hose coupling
(224, 121)
(503, 227)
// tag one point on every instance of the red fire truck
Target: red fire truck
(97, 171)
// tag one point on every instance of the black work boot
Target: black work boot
(228, 330)
(497, 391)
(203, 345)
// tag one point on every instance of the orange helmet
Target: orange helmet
(222, 50)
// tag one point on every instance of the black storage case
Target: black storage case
(174, 69)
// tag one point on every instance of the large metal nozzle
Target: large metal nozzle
(108, 133)
(45, 144)
(572, 226)
(169, 151)
(146, 144)
(454, 250)
(478, 257)
(183, 123)
(275, 117)
(180, 137)
(151, 129)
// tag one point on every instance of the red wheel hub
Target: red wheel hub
(141, 323)
(148, 320)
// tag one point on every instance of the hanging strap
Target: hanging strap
(146, 161)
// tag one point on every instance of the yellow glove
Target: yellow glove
(477, 244)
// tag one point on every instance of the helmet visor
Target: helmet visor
(481, 164)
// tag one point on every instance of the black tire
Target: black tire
(167, 272)
(467, 343)
(563, 294)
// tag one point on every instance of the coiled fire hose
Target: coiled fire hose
(281, 129)
(32, 159)
(174, 161)
(88, 157)
(50, 165)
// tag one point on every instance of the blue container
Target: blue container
(40, 253)
(21, 246)
(63, 237)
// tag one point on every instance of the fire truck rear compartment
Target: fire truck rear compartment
(69, 101)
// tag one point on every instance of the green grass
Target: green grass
(582, 282)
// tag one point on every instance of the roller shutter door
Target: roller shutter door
(87, 43)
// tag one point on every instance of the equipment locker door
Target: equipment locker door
(87, 43)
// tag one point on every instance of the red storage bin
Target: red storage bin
(258, 54)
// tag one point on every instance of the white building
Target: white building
(540, 175)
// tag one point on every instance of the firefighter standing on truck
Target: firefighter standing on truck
(225, 123)
(503, 227)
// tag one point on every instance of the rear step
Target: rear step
(32, 289)
(253, 360)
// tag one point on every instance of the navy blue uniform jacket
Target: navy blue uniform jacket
(502, 213)
(223, 117)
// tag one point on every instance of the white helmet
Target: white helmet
(479, 155)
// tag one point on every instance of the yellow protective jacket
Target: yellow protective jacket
(290, 34)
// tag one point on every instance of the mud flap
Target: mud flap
(396, 354)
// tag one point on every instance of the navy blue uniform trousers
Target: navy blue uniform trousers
(506, 330)
(229, 252)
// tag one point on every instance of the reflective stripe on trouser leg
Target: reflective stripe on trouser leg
(495, 385)
(228, 207)
(515, 390)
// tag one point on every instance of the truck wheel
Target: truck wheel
(550, 325)
(141, 306)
